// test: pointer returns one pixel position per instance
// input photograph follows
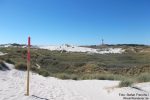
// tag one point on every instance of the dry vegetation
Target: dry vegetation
(131, 64)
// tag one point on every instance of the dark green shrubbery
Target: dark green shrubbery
(9, 61)
(43, 72)
(21, 66)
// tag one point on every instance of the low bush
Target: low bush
(126, 83)
(66, 76)
(21, 66)
(102, 76)
(9, 61)
(43, 72)
(144, 77)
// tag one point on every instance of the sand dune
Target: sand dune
(82, 49)
(12, 87)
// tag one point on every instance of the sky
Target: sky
(78, 22)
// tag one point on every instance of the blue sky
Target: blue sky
(79, 22)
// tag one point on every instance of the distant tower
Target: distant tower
(102, 42)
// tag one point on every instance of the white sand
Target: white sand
(1, 53)
(12, 87)
(82, 49)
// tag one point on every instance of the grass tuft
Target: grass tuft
(126, 83)
(144, 77)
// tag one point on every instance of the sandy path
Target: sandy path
(12, 87)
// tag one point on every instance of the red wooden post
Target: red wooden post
(28, 58)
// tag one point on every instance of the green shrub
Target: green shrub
(126, 83)
(43, 72)
(106, 77)
(102, 76)
(9, 61)
(74, 77)
(63, 76)
(34, 69)
(145, 77)
(67, 76)
(21, 66)
(79, 64)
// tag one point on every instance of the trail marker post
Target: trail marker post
(28, 66)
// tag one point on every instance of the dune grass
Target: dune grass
(81, 66)
(144, 77)
(126, 83)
